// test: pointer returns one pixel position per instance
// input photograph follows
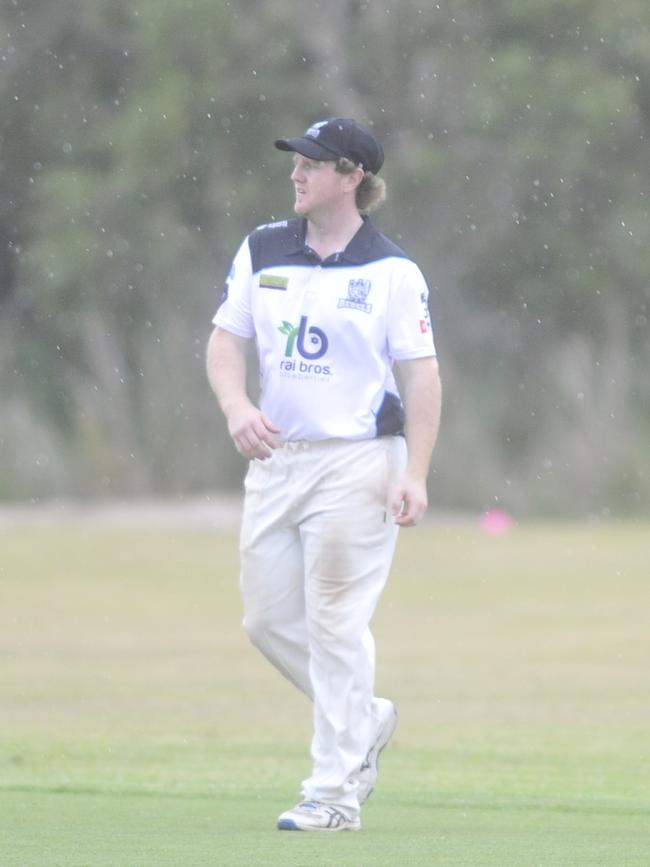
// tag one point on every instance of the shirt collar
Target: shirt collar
(356, 251)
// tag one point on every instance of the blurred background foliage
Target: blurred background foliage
(136, 152)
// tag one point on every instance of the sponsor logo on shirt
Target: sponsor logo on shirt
(425, 322)
(357, 293)
(229, 279)
(310, 343)
(273, 281)
(279, 224)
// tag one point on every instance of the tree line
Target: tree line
(136, 152)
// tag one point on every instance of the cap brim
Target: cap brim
(307, 147)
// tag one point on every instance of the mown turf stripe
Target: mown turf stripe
(527, 804)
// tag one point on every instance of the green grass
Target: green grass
(140, 729)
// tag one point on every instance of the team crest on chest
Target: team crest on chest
(358, 290)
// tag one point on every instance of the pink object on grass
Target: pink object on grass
(496, 522)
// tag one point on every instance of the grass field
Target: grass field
(140, 729)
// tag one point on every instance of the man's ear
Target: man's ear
(351, 180)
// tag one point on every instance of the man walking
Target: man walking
(339, 457)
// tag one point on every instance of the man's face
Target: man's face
(318, 186)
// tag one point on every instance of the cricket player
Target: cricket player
(338, 455)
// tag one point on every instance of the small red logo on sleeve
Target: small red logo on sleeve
(424, 326)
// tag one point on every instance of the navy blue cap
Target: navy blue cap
(336, 138)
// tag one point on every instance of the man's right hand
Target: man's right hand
(254, 435)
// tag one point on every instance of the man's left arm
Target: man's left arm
(422, 398)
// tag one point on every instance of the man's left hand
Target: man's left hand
(409, 502)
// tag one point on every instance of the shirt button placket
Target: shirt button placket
(314, 279)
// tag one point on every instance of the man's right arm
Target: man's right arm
(254, 435)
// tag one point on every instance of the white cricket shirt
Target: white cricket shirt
(328, 331)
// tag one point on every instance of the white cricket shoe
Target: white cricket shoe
(314, 816)
(369, 771)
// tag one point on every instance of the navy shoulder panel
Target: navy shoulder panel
(369, 245)
(274, 244)
(385, 248)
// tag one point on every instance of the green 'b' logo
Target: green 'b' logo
(296, 339)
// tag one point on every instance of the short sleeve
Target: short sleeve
(234, 312)
(410, 333)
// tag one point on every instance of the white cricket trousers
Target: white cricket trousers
(317, 542)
